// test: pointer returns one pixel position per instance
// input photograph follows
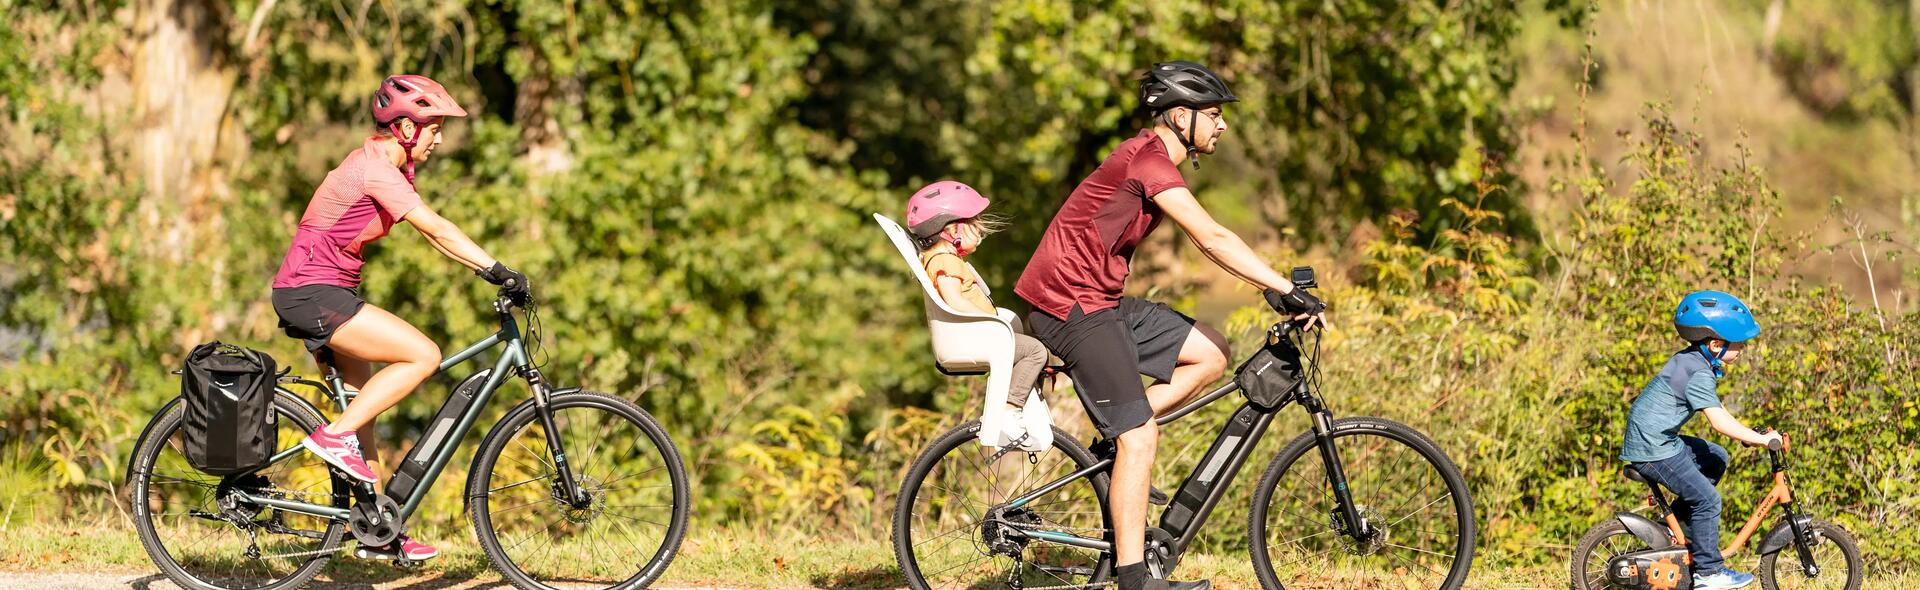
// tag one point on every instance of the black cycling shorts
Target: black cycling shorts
(1107, 351)
(313, 312)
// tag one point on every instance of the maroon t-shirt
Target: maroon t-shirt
(1085, 255)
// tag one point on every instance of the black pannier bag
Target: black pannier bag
(1269, 377)
(228, 392)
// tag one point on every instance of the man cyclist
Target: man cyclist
(1076, 277)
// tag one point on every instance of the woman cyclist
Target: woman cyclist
(316, 291)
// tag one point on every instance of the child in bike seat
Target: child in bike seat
(946, 222)
(1717, 326)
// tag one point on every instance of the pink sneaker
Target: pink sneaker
(408, 548)
(416, 550)
(342, 451)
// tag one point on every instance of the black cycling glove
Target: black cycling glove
(1295, 302)
(499, 274)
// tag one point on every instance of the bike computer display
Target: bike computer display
(1303, 277)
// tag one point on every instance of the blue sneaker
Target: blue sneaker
(1725, 579)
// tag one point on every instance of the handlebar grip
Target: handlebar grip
(508, 284)
(1775, 445)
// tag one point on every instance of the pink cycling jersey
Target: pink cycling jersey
(357, 203)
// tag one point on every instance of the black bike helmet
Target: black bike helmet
(1183, 84)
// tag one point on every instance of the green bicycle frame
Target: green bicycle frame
(514, 357)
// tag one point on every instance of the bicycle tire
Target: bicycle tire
(1347, 432)
(965, 438)
(1580, 577)
(480, 494)
(1825, 531)
(147, 453)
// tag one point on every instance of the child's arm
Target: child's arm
(1724, 422)
(947, 273)
(950, 291)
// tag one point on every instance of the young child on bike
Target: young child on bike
(946, 223)
(1717, 326)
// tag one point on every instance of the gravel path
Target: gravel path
(150, 581)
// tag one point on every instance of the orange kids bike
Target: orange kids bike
(1632, 552)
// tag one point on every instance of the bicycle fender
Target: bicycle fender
(127, 479)
(1648, 531)
(1781, 536)
(304, 404)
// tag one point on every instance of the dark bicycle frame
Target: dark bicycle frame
(514, 357)
(1230, 451)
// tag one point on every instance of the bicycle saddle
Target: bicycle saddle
(1634, 474)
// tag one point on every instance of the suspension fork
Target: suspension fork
(1336, 474)
(569, 486)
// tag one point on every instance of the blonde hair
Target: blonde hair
(986, 223)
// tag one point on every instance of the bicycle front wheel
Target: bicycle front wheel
(1418, 528)
(1836, 557)
(954, 526)
(626, 532)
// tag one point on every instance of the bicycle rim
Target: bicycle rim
(625, 533)
(199, 543)
(1402, 486)
(1601, 543)
(1834, 551)
(951, 528)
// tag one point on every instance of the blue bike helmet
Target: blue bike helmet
(1714, 314)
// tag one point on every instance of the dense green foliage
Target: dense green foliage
(689, 185)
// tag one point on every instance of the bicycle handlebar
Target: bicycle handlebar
(1775, 445)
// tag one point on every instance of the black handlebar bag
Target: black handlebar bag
(228, 392)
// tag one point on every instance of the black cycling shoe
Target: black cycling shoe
(1172, 585)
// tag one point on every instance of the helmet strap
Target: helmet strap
(1193, 126)
(406, 145)
(1713, 358)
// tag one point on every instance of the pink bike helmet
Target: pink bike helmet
(938, 204)
(416, 98)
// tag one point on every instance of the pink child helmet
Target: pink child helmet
(416, 98)
(935, 205)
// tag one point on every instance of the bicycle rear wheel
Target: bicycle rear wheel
(627, 531)
(1412, 498)
(201, 538)
(952, 529)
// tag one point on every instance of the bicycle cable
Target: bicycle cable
(536, 347)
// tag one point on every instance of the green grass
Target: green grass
(730, 558)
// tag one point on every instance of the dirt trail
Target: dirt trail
(152, 581)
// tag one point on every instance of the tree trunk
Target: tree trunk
(182, 79)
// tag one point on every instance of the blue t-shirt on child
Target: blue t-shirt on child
(1686, 385)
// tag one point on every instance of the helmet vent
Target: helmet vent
(422, 102)
(1709, 303)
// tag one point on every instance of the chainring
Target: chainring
(375, 525)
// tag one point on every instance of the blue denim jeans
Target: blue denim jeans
(1691, 476)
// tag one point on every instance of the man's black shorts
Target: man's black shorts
(1106, 352)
